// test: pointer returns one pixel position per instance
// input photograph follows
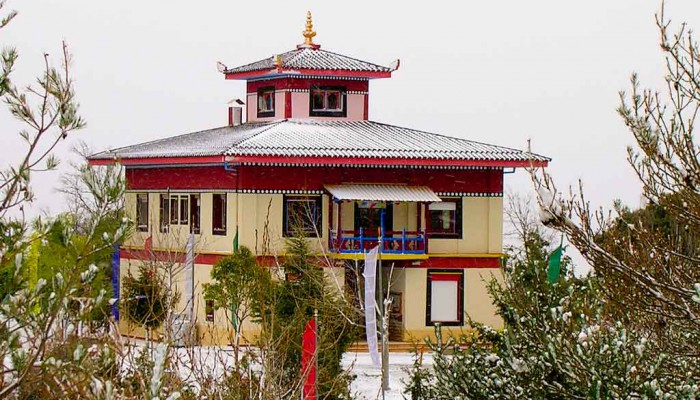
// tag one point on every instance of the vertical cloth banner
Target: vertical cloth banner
(554, 263)
(115, 281)
(33, 261)
(33, 266)
(234, 310)
(148, 246)
(308, 361)
(370, 275)
(189, 277)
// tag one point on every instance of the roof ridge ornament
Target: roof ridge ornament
(309, 34)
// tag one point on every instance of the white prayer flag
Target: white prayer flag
(189, 277)
(370, 275)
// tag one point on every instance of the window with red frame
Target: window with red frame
(266, 102)
(445, 219)
(142, 212)
(218, 223)
(328, 102)
(445, 298)
(302, 215)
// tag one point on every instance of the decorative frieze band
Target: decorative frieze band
(289, 191)
(468, 194)
(336, 165)
(243, 191)
(292, 90)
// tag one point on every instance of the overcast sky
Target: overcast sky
(500, 72)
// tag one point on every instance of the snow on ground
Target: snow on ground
(369, 378)
(366, 385)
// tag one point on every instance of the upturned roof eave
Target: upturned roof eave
(290, 72)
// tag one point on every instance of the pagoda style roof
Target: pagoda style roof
(296, 141)
(307, 60)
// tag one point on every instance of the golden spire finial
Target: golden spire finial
(309, 33)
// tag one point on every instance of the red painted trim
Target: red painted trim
(160, 161)
(383, 161)
(169, 256)
(305, 83)
(365, 115)
(288, 104)
(445, 277)
(175, 256)
(211, 259)
(321, 72)
(248, 177)
(459, 262)
(179, 257)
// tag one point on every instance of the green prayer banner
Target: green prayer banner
(554, 267)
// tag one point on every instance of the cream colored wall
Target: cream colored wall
(347, 217)
(414, 305)
(400, 217)
(482, 228)
(177, 235)
(482, 224)
(477, 302)
(217, 332)
(251, 212)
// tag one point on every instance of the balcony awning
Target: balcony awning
(375, 192)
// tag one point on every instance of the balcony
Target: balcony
(362, 212)
(393, 242)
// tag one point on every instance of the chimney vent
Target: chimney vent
(235, 112)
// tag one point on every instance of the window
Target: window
(302, 214)
(194, 213)
(445, 219)
(266, 102)
(174, 202)
(328, 102)
(184, 212)
(209, 310)
(164, 212)
(178, 208)
(142, 212)
(218, 223)
(445, 298)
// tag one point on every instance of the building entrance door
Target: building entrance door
(368, 216)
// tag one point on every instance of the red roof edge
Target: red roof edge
(158, 161)
(386, 161)
(322, 72)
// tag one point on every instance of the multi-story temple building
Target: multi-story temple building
(308, 153)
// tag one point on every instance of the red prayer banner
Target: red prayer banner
(308, 363)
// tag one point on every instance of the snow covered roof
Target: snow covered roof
(300, 138)
(305, 59)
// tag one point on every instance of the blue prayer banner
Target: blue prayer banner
(115, 282)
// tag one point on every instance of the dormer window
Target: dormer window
(328, 102)
(266, 102)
